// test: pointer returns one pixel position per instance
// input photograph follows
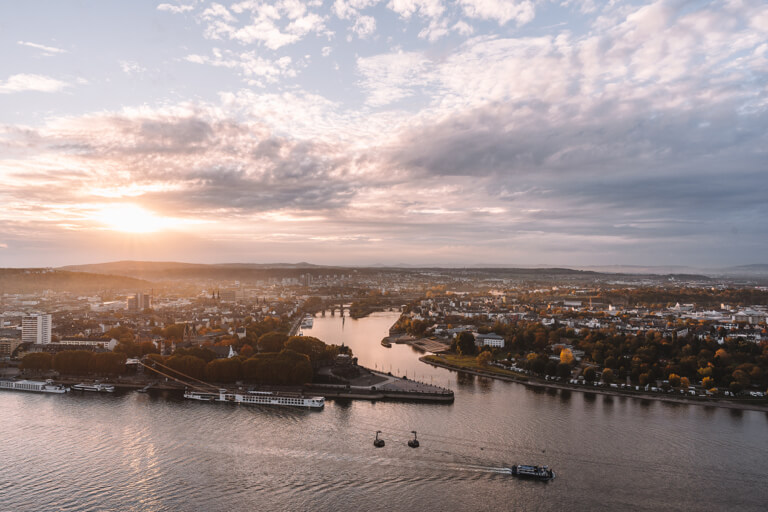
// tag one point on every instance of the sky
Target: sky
(363, 132)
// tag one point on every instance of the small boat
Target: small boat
(95, 387)
(413, 443)
(533, 472)
(378, 443)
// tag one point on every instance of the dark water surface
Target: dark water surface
(158, 452)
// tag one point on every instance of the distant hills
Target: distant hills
(139, 275)
(35, 280)
(171, 271)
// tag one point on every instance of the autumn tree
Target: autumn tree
(484, 358)
(246, 351)
(174, 332)
(223, 370)
(76, 362)
(107, 363)
(607, 375)
(566, 356)
(37, 361)
(272, 341)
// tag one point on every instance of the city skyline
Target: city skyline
(370, 132)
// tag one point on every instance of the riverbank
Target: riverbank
(527, 381)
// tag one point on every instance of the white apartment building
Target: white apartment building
(36, 329)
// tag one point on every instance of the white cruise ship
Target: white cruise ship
(258, 398)
(97, 387)
(33, 385)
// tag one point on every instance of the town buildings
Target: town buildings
(36, 329)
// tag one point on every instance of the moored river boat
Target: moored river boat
(258, 398)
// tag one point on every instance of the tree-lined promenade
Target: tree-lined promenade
(288, 361)
(291, 364)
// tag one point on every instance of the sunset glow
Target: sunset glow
(130, 218)
(455, 133)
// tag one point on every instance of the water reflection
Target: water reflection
(465, 379)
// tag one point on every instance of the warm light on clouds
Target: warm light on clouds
(475, 131)
(130, 218)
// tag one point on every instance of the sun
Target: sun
(130, 218)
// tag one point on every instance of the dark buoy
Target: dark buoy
(413, 443)
(378, 443)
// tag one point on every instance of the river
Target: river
(160, 453)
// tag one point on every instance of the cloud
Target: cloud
(389, 78)
(273, 24)
(640, 135)
(47, 50)
(30, 82)
(364, 26)
(503, 11)
(131, 67)
(250, 64)
(176, 9)
(425, 8)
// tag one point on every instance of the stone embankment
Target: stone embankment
(382, 386)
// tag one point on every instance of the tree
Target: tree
(37, 361)
(272, 342)
(741, 378)
(484, 358)
(684, 382)
(75, 362)
(107, 363)
(223, 370)
(708, 382)
(608, 375)
(203, 353)
(465, 344)
(121, 333)
(674, 380)
(564, 370)
(187, 365)
(566, 356)
(307, 345)
(246, 351)
(590, 374)
(129, 348)
(174, 332)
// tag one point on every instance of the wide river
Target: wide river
(131, 451)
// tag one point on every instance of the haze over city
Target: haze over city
(401, 131)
